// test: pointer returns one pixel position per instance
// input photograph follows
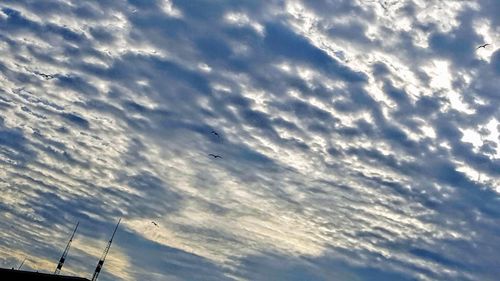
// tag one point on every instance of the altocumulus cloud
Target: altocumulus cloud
(359, 138)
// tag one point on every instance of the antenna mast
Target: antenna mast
(21, 265)
(104, 254)
(65, 253)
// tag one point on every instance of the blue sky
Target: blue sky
(359, 138)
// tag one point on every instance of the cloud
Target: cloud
(359, 138)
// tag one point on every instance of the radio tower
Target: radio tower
(65, 253)
(103, 257)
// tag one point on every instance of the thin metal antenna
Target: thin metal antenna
(65, 253)
(21, 265)
(104, 254)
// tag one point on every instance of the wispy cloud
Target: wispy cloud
(359, 138)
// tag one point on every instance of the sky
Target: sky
(359, 139)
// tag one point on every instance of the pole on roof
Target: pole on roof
(104, 254)
(65, 253)
(21, 265)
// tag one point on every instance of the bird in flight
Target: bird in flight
(155, 223)
(482, 46)
(47, 76)
(215, 133)
(44, 75)
(214, 156)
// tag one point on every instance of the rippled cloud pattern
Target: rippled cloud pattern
(359, 138)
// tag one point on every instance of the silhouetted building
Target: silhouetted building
(21, 275)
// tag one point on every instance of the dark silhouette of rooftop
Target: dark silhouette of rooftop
(21, 275)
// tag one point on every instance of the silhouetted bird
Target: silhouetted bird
(155, 223)
(45, 76)
(482, 46)
(384, 6)
(215, 133)
(215, 156)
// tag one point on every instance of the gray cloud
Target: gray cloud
(359, 138)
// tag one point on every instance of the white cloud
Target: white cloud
(351, 135)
